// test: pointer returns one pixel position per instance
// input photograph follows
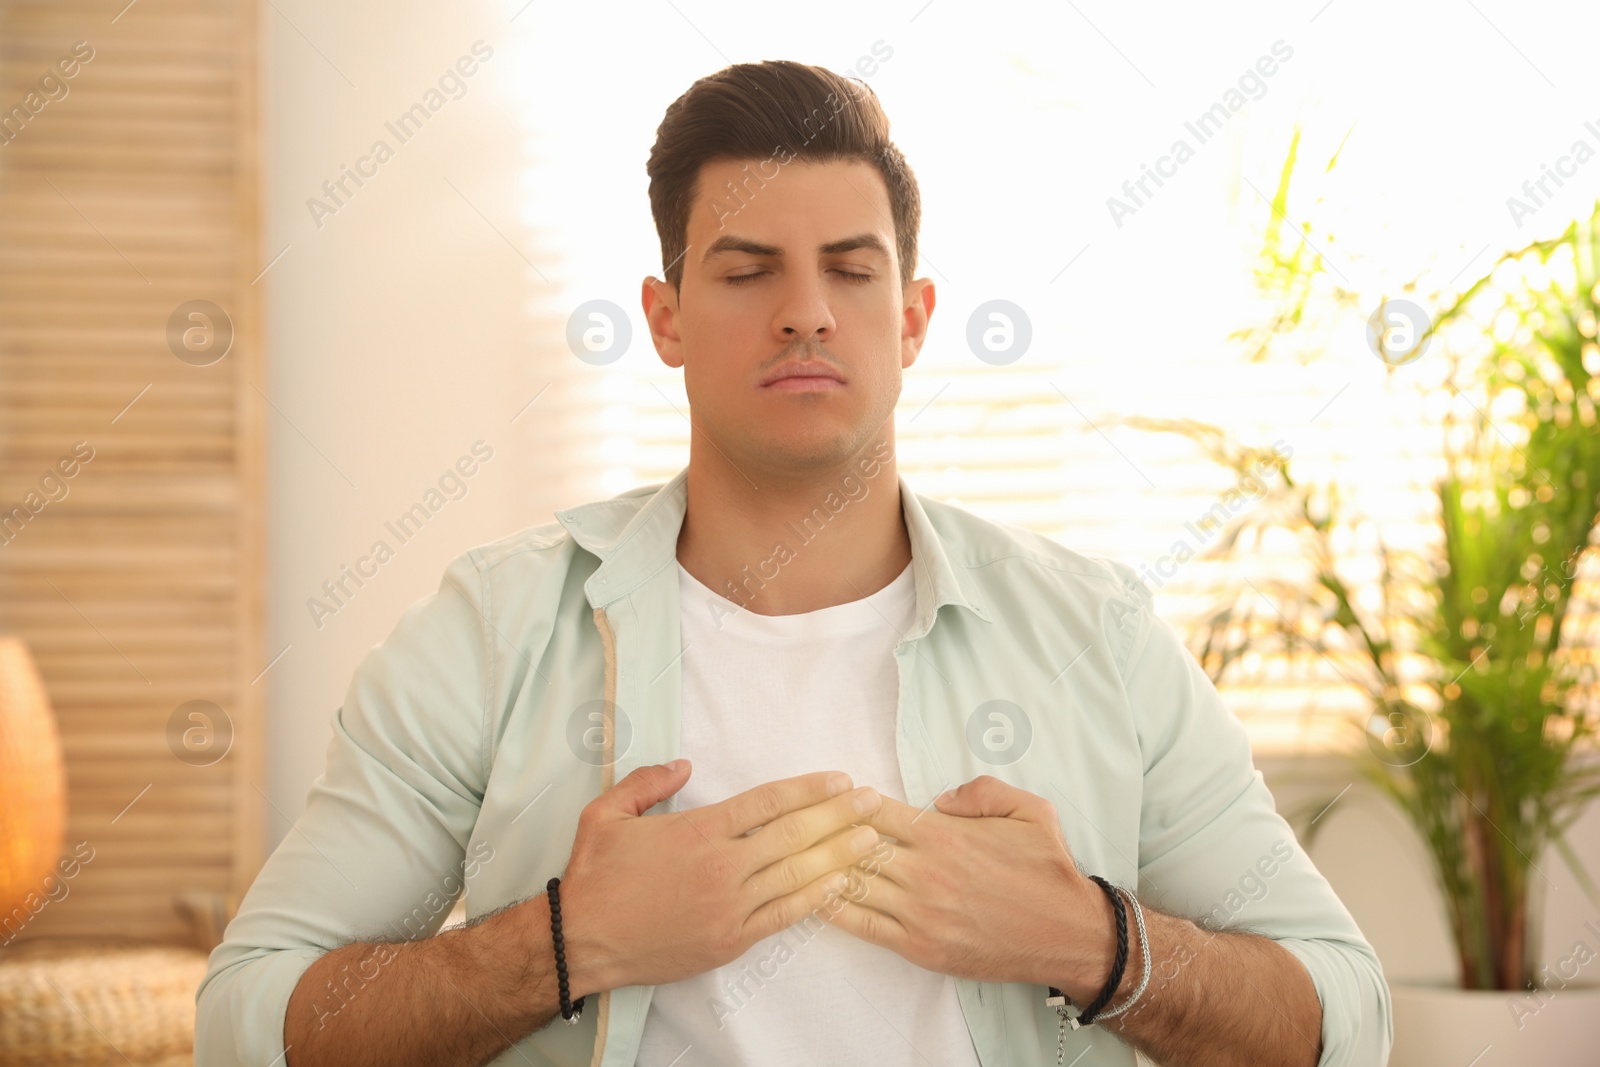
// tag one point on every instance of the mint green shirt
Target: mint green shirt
(469, 742)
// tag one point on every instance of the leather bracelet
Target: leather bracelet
(1087, 1016)
(1118, 965)
(1144, 957)
(570, 1011)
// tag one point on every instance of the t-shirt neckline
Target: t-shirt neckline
(872, 610)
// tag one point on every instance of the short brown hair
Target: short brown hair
(766, 111)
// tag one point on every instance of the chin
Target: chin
(807, 452)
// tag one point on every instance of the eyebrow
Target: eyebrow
(730, 243)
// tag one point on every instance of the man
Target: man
(785, 609)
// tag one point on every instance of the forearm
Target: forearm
(1226, 999)
(457, 998)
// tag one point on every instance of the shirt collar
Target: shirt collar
(635, 534)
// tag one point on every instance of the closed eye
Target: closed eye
(855, 277)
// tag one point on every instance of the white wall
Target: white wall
(398, 334)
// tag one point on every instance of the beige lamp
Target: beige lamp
(70, 1000)
(32, 786)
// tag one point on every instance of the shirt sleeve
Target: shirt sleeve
(1213, 848)
(379, 852)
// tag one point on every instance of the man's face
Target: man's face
(802, 276)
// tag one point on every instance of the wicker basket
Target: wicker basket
(86, 1003)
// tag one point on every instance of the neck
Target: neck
(782, 545)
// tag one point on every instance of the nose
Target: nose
(804, 314)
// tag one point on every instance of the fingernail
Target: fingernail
(867, 799)
(863, 839)
(838, 784)
(677, 765)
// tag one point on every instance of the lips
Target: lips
(805, 376)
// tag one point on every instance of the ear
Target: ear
(660, 302)
(917, 301)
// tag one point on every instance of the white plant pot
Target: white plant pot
(1438, 1026)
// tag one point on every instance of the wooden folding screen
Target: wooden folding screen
(130, 356)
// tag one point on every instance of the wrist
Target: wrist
(494, 959)
(591, 968)
(1093, 941)
(533, 989)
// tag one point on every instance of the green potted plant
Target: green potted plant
(1465, 649)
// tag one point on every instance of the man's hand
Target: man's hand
(644, 900)
(983, 886)
(653, 899)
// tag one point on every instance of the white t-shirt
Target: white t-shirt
(768, 697)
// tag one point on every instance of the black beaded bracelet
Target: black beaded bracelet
(569, 1010)
(1118, 965)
